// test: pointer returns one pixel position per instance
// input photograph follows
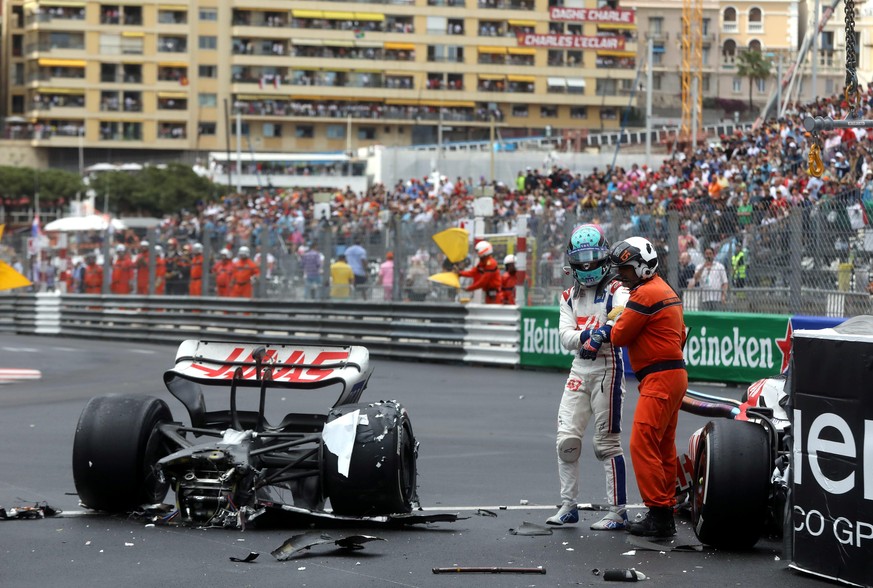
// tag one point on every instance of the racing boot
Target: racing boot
(568, 514)
(658, 522)
(615, 520)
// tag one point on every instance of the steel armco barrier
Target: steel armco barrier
(473, 333)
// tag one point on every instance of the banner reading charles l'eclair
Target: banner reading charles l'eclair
(721, 347)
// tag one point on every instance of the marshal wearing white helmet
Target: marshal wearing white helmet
(593, 388)
(485, 274)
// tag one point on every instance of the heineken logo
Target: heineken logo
(542, 339)
(731, 350)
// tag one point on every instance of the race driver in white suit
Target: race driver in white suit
(595, 386)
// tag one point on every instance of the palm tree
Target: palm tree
(752, 64)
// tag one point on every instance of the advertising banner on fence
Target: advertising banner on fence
(831, 526)
(721, 347)
(735, 347)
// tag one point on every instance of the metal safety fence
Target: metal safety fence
(813, 257)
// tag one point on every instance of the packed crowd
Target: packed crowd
(752, 176)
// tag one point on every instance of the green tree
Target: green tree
(54, 186)
(153, 191)
(751, 64)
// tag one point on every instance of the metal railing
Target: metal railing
(431, 332)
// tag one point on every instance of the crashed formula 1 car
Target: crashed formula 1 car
(231, 466)
(735, 476)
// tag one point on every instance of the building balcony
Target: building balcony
(755, 27)
(658, 36)
(730, 27)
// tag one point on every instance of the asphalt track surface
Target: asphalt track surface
(487, 441)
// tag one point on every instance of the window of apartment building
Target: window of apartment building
(729, 15)
(657, 54)
(548, 112)
(574, 58)
(172, 101)
(131, 131)
(574, 29)
(109, 73)
(366, 133)
(132, 43)
(519, 110)
(706, 82)
(706, 26)
(207, 71)
(606, 87)
(172, 16)
(172, 73)
(17, 45)
(109, 101)
(271, 130)
(578, 112)
(18, 74)
(336, 131)
(437, 25)
(556, 28)
(705, 55)
(304, 131)
(208, 14)
(829, 86)
(736, 85)
(61, 40)
(18, 104)
(131, 73)
(207, 100)
(491, 28)
(608, 113)
(208, 42)
(206, 129)
(243, 129)
(656, 81)
(450, 53)
(761, 85)
(172, 44)
(172, 130)
(656, 25)
(455, 26)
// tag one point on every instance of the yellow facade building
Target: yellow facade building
(169, 77)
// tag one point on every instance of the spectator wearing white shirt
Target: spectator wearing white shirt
(712, 280)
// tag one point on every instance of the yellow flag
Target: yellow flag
(454, 242)
(9, 278)
(446, 279)
(1, 230)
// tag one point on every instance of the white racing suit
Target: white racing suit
(594, 388)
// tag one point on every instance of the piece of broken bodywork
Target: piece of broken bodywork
(526, 528)
(484, 512)
(252, 556)
(298, 543)
(39, 510)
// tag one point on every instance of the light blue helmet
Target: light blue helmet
(588, 255)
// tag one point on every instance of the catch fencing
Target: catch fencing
(813, 258)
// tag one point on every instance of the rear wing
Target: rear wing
(265, 366)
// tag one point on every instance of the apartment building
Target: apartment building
(774, 27)
(168, 78)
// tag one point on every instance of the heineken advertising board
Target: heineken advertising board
(721, 347)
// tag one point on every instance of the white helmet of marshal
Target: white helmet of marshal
(484, 248)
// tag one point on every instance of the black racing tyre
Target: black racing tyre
(382, 474)
(731, 484)
(115, 450)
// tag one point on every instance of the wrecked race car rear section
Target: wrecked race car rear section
(231, 467)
